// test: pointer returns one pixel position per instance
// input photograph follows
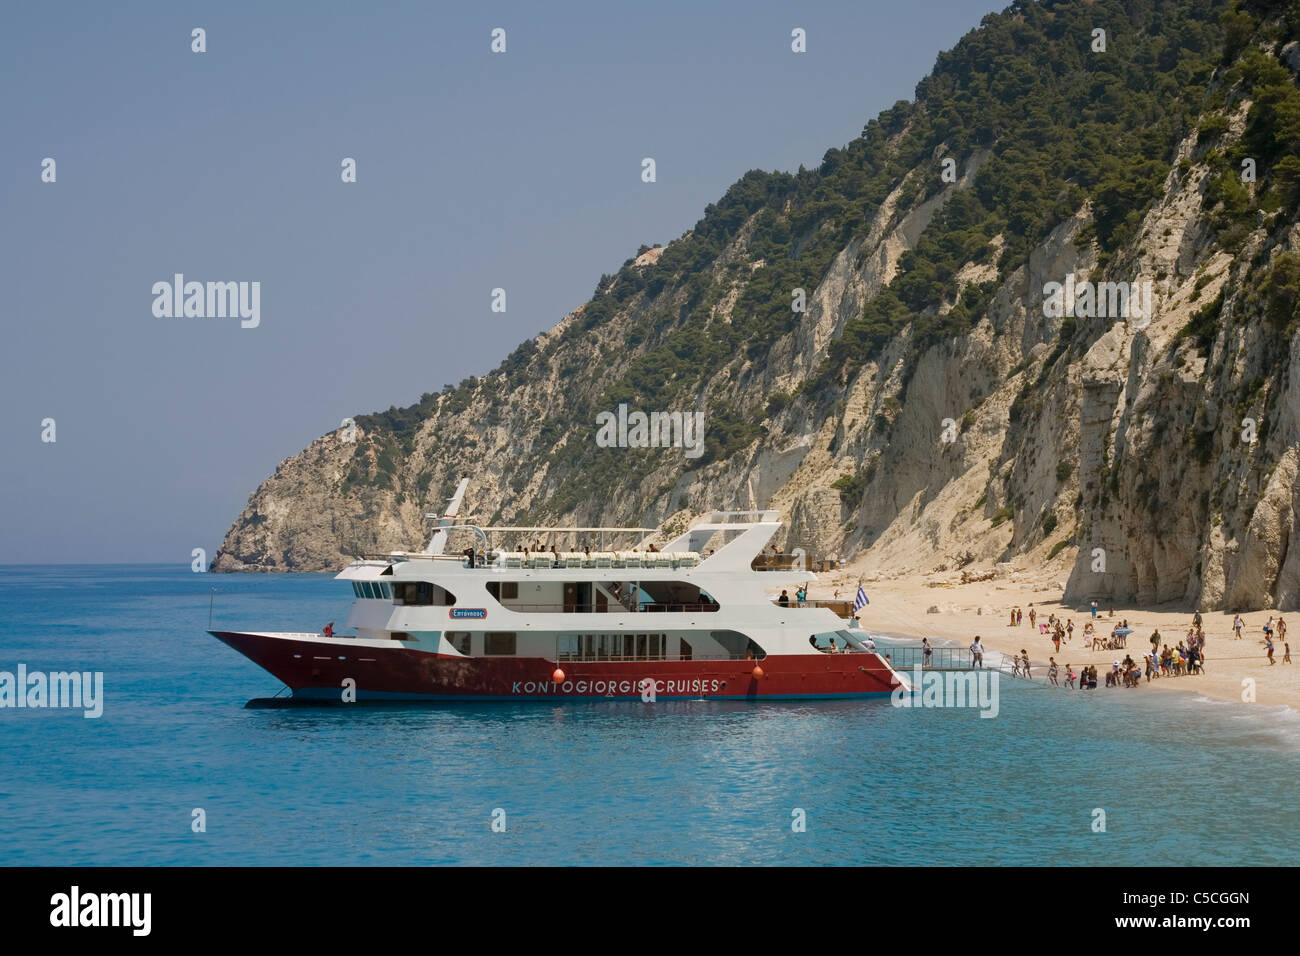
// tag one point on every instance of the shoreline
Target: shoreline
(900, 608)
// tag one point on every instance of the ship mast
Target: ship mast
(439, 539)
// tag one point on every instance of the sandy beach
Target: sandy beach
(900, 607)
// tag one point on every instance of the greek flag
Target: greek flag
(861, 600)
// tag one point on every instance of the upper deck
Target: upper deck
(725, 542)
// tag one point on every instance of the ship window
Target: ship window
(503, 590)
(459, 640)
(356, 589)
(679, 596)
(587, 596)
(613, 647)
(737, 646)
(499, 644)
(421, 593)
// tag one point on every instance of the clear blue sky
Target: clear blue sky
(475, 171)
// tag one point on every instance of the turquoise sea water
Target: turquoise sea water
(1181, 780)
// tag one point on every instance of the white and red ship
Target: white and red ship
(692, 619)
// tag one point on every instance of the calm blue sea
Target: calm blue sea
(1181, 780)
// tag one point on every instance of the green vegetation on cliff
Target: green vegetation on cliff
(1044, 124)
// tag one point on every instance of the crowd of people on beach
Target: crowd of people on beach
(1187, 657)
(1271, 630)
(1125, 673)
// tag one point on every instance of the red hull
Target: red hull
(403, 674)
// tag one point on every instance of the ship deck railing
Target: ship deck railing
(842, 608)
(579, 658)
(702, 608)
(411, 556)
(551, 560)
(791, 562)
(575, 658)
(906, 657)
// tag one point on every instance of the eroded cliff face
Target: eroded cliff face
(1141, 458)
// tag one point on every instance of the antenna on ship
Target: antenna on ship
(439, 539)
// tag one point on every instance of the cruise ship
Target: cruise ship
(694, 618)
